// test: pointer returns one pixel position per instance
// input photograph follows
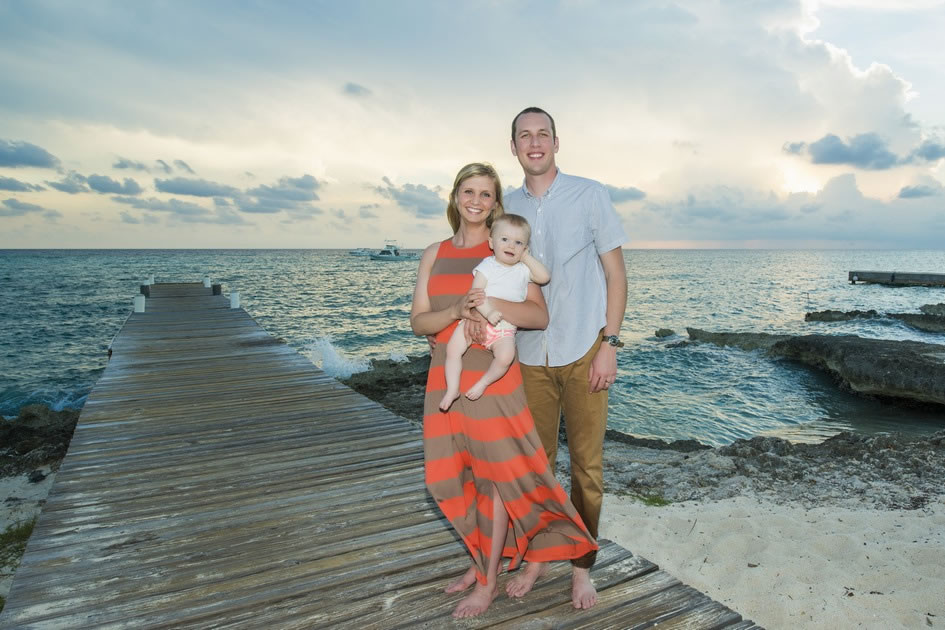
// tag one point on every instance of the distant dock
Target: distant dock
(218, 479)
(898, 278)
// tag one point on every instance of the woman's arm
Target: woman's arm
(531, 314)
(424, 320)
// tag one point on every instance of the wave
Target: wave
(332, 361)
(11, 400)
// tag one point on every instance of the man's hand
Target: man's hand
(603, 372)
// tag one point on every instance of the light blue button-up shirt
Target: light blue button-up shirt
(573, 223)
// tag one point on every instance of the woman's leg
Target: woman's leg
(453, 368)
(482, 595)
(503, 353)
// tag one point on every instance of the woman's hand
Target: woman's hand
(468, 303)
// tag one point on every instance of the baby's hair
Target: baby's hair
(515, 220)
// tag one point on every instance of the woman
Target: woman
(485, 465)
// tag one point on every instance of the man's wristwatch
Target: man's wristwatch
(613, 340)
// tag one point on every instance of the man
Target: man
(570, 365)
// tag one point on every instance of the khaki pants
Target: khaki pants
(551, 390)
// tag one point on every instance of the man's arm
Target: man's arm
(604, 364)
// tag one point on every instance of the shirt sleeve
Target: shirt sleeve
(605, 223)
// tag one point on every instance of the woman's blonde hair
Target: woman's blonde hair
(476, 169)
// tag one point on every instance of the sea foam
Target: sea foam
(326, 356)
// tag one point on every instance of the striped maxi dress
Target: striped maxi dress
(491, 440)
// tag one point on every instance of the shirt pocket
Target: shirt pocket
(573, 242)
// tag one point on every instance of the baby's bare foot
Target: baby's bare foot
(448, 400)
(475, 392)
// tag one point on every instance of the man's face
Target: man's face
(508, 243)
(534, 145)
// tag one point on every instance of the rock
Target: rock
(839, 316)
(933, 309)
(397, 385)
(37, 436)
(665, 332)
(906, 370)
(930, 320)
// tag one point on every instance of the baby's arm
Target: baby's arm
(539, 273)
(479, 282)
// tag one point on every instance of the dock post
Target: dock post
(151, 280)
(854, 278)
(139, 304)
(145, 290)
(234, 299)
(206, 282)
(218, 289)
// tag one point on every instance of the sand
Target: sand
(789, 567)
(20, 501)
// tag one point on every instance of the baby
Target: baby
(504, 275)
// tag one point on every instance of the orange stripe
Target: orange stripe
(510, 469)
(559, 552)
(503, 387)
(449, 284)
(444, 468)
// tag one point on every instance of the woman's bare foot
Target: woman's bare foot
(583, 593)
(448, 400)
(475, 392)
(462, 583)
(476, 602)
(524, 580)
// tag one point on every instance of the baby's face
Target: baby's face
(508, 243)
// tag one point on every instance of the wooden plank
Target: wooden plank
(218, 479)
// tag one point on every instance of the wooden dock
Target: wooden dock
(217, 479)
(898, 278)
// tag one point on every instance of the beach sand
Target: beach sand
(21, 500)
(789, 567)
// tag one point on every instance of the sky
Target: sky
(324, 124)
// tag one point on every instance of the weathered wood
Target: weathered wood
(898, 278)
(218, 479)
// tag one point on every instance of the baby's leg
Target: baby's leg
(503, 353)
(453, 368)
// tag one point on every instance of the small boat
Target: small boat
(391, 251)
(361, 251)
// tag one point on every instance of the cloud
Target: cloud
(293, 194)
(123, 163)
(355, 90)
(16, 208)
(164, 166)
(9, 183)
(107, 185)
(422, 201)
(15, 154)
(194, 187)
(620, 195)
(866, 150)
(175, 207)
(73, 183)
(915, 192)
(182, 165)
(364, 211)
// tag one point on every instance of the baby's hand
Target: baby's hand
(494, 317)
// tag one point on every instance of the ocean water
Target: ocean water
(59, 310)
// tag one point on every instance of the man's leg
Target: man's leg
(543, 395)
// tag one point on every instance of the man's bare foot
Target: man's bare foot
(583, 593)
(524, 580)
(465, 581)
(475, 392)
(476, 602)
(448, 400)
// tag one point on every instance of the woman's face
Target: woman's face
(476, 198)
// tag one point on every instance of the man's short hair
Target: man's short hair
(534, 110)
(515, 220)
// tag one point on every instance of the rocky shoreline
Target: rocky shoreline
(883, 471)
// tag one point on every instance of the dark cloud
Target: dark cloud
(123, 163)
(182, 165)
(620, 195)
(107, 185)
(424, 202)
(14, 154)
(917, 192)
(73, 183)
(359, 91)
(930, 150)
(194, 187)
(365, 211)
(173, 206)
(17, 208)
(127, 217)
(8, 183)
(292, 194)
(164, 166)
(866, 151)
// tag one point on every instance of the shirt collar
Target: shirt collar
(551, 189)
